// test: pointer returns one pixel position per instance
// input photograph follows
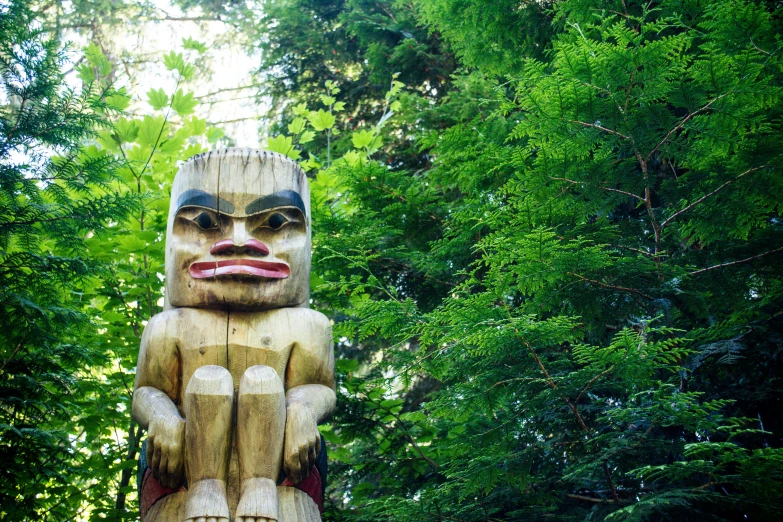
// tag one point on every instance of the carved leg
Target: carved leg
(260, 432)
(208, 402)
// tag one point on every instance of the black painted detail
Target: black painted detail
(276, 221)
(199, 198)
(205, 221)
(283, 198)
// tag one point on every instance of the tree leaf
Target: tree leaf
(284, 145)
(183, 103)
(194, 45)
(363, 138)
(214, 134)
(321, 120)
(306, 137)
(151, 129)
(157, 98)
(297, 126)
(173, 61)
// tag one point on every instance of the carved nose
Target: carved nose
(227, 246)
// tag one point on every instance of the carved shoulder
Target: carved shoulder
(158, 364)
(318, 321)
(312, 359)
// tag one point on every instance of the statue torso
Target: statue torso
(238, 340)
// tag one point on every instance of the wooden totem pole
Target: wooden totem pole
(234, 377)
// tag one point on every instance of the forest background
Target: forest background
(548, 233)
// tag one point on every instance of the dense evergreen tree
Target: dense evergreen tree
(575, 312)
(53, 193)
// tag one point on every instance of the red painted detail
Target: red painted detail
(151, 492)
(312, 485)
(222, 246)
(253, 267)
(251, 245)
(254, 245)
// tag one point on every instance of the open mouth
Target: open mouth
(252, 267)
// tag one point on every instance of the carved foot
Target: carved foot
(206, 502)
(258, 502)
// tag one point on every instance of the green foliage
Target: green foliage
(365, 142)
(359, 45)
(554, 274)
(495, 36)
(54, 192)
(85, 197)
(355, 45)
(532, 326)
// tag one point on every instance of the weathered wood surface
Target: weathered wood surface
(235, 375)
(293, 506)
(229, 188)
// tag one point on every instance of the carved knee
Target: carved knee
(211, 380)
(260, 423)
(209, 400)
(260, 380)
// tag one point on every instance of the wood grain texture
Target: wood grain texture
(235, 375)
(238, 177)
(293, 506)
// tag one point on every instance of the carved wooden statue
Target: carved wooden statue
(235, 375)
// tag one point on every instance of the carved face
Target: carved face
(238, 232)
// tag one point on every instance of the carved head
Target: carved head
(238, 232)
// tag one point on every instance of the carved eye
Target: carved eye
(276, 221)
(206, 221)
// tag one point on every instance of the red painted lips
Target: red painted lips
(252, 267)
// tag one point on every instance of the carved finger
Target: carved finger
(165, 480)
(292, 467)
(299, 472)
(175, 469)
(174, 483)
(311, 455)
(317, 443)
(295, 475)
(304, 453)
(150, 449)
(155, 462)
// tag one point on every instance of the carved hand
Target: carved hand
(165, 448)
(302, 441)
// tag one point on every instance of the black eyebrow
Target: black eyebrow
(199, 198)
(283, 198)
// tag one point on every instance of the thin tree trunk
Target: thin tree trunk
(127, 473)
